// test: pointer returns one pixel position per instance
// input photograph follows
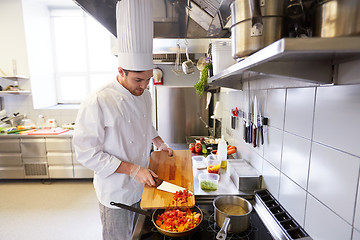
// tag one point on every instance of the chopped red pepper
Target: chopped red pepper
(182, 196)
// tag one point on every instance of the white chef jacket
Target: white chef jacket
(113, 126)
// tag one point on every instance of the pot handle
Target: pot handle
(256, 18)
(130, 208)
(223, 231)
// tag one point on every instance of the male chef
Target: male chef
(114, 131)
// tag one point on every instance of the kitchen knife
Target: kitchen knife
(168, 187)
(261, 129)
(245, 131)
(254, 126)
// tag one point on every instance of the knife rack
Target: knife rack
(242, 114)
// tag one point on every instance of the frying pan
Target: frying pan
(156, 213)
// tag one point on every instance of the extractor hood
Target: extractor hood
(190, 19)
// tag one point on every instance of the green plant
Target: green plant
(200, 85)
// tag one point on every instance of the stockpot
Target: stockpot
(255, 24)
(335, 18)
(231, 223)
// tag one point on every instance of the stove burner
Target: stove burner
(234, 236)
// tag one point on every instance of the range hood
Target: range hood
(190, 19)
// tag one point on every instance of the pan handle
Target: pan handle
(223, 231)
(130, 208)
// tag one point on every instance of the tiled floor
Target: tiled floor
(57, 210)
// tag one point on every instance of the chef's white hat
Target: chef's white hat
(134, 20)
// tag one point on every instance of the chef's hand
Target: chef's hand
(143, 175)
(166, 148)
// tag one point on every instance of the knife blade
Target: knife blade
(167, 186)
(255, 124)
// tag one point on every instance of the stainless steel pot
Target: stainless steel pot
(335, 18)
(255, 24)
(231, 223)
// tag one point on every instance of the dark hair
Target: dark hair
(127, 71)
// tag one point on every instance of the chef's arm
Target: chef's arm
(162, 146)
(141, 174)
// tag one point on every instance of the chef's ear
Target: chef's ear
(121, 71)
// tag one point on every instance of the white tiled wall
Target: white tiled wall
(292, 198)
(337, 117)
(299, 111)
(310, 160)
(273, 145)
(323, 224)
(275, 107)
(334, 175)
(295, 158)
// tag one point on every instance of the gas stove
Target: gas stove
(206, 230)
(268, 221)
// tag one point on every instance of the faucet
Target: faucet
(211, 131)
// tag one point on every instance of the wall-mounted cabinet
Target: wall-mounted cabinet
(17, 91)
(16, 78)
(305, 59)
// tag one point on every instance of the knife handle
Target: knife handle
(157, 181)
(261, 135)
(254, 137)
(250, 133)
(245, 132)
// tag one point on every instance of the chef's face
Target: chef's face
(134, 82)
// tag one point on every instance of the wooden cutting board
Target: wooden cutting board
(177, 170)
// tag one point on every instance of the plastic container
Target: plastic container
(41, 122)
(52, 123)
(27, 123)
(199, 162)
(222, 152)
(209, 181)
(221, 55)
(213, 164)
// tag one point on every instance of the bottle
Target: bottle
(41, 123)
(222, 152)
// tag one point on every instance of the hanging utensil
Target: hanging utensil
(188, 65)
(177, 68)
(200, 65)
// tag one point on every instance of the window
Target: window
(82, 54)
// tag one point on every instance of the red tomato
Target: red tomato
(198, 148)
(192, 147)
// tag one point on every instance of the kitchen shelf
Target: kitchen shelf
(304, 59)
(21, 92)
(16, 78)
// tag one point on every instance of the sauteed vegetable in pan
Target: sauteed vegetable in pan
(177, 220)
